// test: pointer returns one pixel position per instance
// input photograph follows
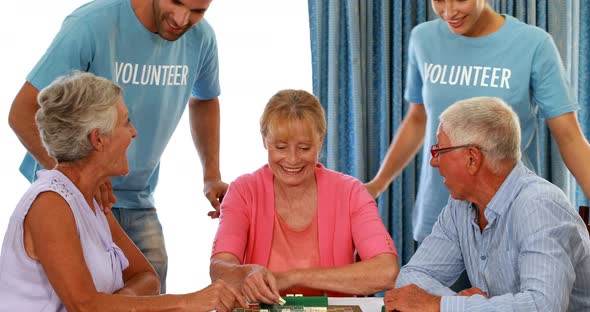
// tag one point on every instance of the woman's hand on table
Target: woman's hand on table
(260, 285)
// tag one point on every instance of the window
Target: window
(260, 53)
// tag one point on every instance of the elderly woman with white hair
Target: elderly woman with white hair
(60, 251)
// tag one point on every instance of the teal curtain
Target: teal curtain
(582, 72)
(359, 53)
(359, 56)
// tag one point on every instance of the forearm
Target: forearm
(140, 277)
(425, 269)
(398, 156)
(575, 157)
(205, 121)
(409, 275)
(438, 262)
(123, 303)
(405, 145)
(361, 278)
(142, 284)
(22, 121)
(231, 272)
(28, 135)
(525, 301)
(573, 147)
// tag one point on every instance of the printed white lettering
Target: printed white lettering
(435, 68)
(477, 69)
(427, 68)
(127, 72)
(466, 76)
(118, 68)
(484, 77)
(442, 74)
(495, 77)
(171, 75)
(165, 74)
(154, 75)
(135, 74)
(506, 73)
(453, 79)
(184, 74)
(145, 74)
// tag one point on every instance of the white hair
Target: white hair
(486, 122)
(70, 107)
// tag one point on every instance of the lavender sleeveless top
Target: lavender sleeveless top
(23, 283)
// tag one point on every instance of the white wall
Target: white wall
(259, 53)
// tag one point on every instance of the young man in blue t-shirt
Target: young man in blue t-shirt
(163, 53)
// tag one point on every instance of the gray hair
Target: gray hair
(487, 122)
(70, 107)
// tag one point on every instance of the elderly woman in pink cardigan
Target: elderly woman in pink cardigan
(293, 226)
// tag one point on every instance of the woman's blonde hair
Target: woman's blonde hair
(290, 105)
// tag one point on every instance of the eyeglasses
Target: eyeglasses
(435, 150)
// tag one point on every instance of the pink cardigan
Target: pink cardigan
(347, 218)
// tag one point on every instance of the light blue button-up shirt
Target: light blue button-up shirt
(534, 254)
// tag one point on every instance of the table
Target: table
(367, 304)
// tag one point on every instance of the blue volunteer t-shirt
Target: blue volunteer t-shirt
(519, 63)
(157, 76)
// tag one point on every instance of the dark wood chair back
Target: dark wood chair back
(584, 213)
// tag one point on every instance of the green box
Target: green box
(303, 301)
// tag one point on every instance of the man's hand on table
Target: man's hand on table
(411, 298)
(472, 291)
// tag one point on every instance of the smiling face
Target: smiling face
(463, 16)
(293, 149)
(173, 18)
(452, 166)
(117, 143)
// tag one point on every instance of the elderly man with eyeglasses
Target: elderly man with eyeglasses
(523, 245)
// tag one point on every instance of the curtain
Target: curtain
(359, 57)
(359, 52)
(583, 77)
